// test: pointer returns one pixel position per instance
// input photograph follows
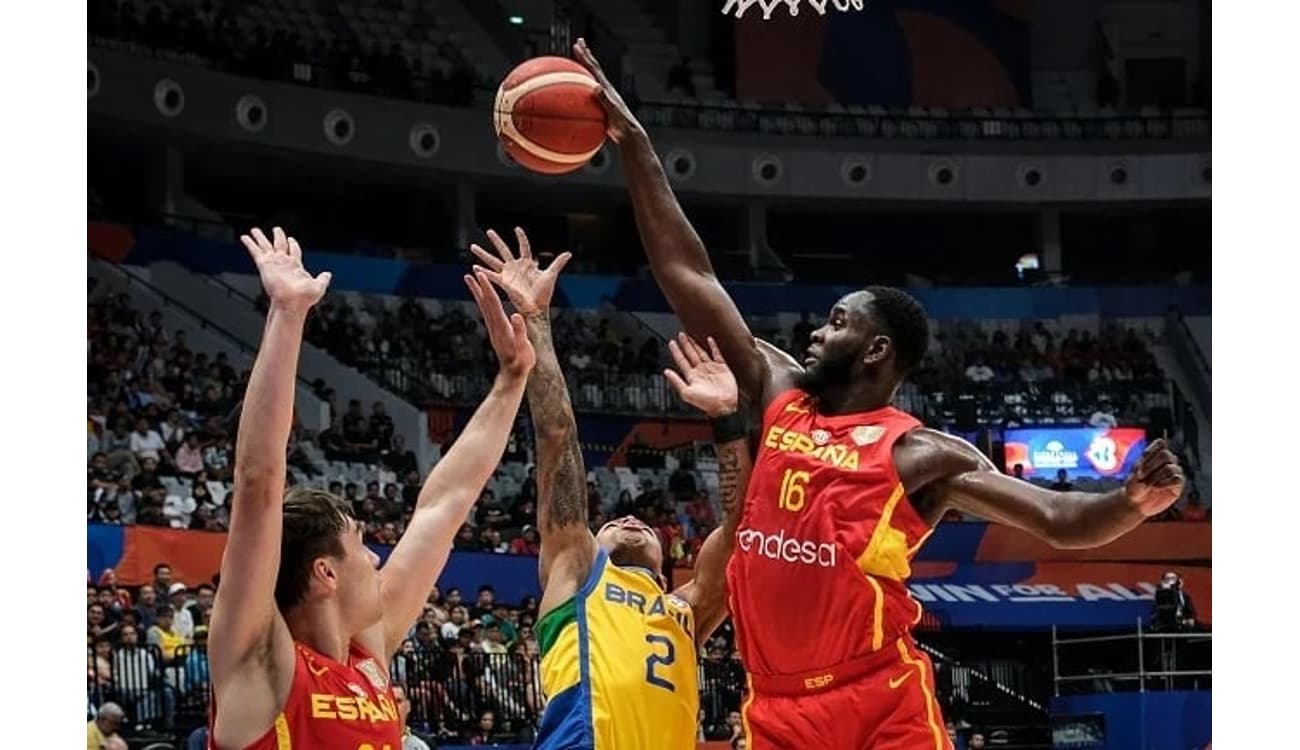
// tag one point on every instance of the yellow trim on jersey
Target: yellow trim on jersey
(935, 729)
(282, 739)
(887, 553)
(744, 710)
(877, 615)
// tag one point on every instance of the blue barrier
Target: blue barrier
(1151, 721)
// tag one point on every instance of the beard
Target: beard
(826, 372)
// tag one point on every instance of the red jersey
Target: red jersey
(825, 541)
(333, 706)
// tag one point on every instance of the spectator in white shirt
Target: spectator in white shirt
(1104, 417)
(979, 372)
(183, 623)
(146, 442)
(173, 431)
(451, 629)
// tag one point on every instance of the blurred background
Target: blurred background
(1036, 172)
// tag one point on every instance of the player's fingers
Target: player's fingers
(560, 262)
(502, 248)
(676, 382)
(262, 241)
(716, 352)
(493, 313)
(490, 260)
(295, 249)
(323, 280)
(1164, 476)
(518, 328)
(472, 283)
(1152, 457)
(679, 359)
(525, 247)
(251, 246)
(493, 276)
(701, 354)
(689, 349)
(279, 241)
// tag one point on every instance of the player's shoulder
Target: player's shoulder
(923, 455)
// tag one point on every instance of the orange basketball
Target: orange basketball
(547, 115)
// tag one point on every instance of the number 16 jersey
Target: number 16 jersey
(619, 665)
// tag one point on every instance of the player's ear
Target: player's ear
(324, 573)
(877, 349)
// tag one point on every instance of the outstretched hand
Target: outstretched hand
(1157, 481)
(621, 120)
(705, 381)
(524, 282)
(508, 336)
(279, 264)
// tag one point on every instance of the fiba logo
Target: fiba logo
(1103, 454)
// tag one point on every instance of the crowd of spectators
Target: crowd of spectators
(232, 38)
(444, 357)
(468, 667)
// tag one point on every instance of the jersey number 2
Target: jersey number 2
(654, 659)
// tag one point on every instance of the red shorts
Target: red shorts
(884, 701)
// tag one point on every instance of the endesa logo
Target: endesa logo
(782, 549)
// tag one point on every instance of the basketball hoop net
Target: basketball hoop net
(740, 6)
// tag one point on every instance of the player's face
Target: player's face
(359, 580)
(837, 351)
(631, 542)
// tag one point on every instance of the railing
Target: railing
(917, 123)
(199, 319)
(445, 689)
(1138, 660)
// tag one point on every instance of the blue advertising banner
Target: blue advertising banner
(1092, 452)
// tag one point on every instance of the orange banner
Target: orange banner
(195, 556)
(1148, 542)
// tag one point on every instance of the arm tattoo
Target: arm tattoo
(733, 479)
(561, 478)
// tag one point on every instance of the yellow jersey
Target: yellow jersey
(619, 665)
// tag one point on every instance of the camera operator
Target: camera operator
(1173, 611)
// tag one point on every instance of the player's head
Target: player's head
(630, 542)
(877, 332)
(323, 559)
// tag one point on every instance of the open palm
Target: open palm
(705, 381)
(279, 265)
(528, 286)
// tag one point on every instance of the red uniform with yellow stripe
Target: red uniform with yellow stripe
(334, 706)
(817, 586)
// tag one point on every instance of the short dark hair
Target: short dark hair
(160, 566)
(486, 587)
(906, 323)
(207, 586)
(313, 524)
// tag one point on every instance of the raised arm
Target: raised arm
(568, 546)
(246, 627)
(707, 384)
(951, 473)
(455, 483)
(678, 259)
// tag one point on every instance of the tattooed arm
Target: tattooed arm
(568, 547)
(707, 384)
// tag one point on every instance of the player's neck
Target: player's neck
(320, 626)
(857, 397)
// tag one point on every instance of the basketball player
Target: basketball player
(618, 651)
(845, 489)
(303, 624)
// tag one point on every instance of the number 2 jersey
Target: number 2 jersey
(825, 542)
(332, 706)
(619, 665)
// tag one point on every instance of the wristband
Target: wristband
(729, 427)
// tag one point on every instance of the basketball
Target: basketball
(547, 116)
